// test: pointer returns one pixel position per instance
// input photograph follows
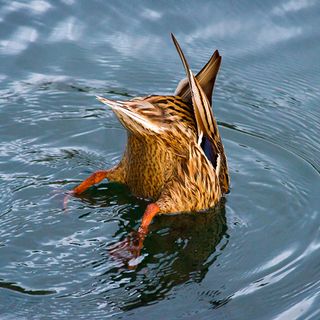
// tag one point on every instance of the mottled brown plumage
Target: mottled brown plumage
(163, 159)
(174, 153)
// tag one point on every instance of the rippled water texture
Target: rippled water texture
(256, 256)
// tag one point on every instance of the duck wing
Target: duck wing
(206, 78)
(206, 123)
(138, 116)
(207, 128)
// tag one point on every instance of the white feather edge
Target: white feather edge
(195, 99)
(119, 107)
(200, 138)
(180, 86)
(218, 165)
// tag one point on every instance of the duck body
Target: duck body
(169, 167)
(149, 160)
(174, 153)
(147, 166)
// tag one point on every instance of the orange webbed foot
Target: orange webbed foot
(95, 178)
(128, 250)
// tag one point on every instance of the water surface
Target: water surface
(255, 256)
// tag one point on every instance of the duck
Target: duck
(174, 154)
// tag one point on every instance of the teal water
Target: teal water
(256, 256)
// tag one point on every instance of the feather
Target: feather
(206, 123)
(206, 77)
(131, 116)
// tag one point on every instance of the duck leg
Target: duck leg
(129, 249)
(113, 174)
(95, 178)
(151, 211)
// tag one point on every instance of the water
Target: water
(256, 256)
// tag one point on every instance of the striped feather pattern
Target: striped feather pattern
(174, 153)
(205, 120)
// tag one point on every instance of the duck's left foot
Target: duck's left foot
(128, 251)
(66, 198)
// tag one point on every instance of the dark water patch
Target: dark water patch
(15, 287)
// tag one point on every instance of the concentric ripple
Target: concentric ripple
(255, 256)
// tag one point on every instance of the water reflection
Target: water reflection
(179, 248)
(292, 6)
(15, 287)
